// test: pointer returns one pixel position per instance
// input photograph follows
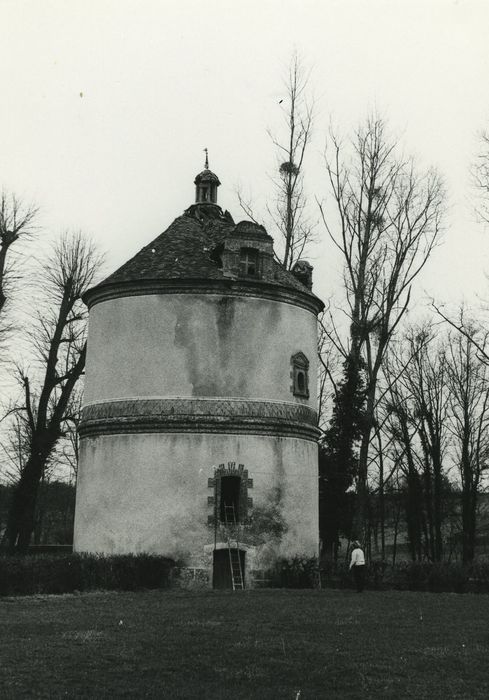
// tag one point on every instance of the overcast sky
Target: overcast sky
(106, 106)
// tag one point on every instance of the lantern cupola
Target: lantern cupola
(206, 184)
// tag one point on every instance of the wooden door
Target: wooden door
(221, 573)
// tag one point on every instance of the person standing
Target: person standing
(357, 563)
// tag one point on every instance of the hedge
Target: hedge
(67, 573)
(436, 577)
(31, 574)
(449, 577)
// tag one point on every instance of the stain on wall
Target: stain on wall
(149, 493)
(194, 345)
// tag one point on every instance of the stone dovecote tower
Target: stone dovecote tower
(198, 431)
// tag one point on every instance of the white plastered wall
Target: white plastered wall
(148, 493)
(191, 345)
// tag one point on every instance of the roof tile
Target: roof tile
(184, 250)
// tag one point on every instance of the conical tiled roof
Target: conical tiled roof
(188, 251)
(180, 252)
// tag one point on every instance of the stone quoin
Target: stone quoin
(198, 430)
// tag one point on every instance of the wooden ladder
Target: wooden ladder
(234, 557)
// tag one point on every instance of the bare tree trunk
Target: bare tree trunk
(469, 510)
(21, 518)
(381, 498)
(468, 376)
(396, 530)
(388, 223)
(60, 341)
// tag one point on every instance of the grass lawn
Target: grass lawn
(250, 644)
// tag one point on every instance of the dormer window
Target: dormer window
(300, 375)
(248, 253)
(248, 262)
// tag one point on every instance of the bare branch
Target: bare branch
(58, 339)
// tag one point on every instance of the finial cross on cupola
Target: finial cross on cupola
(206, 184)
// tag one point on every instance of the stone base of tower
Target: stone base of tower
(170, 494)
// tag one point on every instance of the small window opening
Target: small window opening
(300, 375)
(229, 505)
(248, 262)
(301, 381)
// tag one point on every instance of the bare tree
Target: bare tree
(418, 404)
(14, 447)
(402, 427)
(479, 340)
(480, 176)
(16, 222)
(388, 222)
(289, 211)
(64, 459)
(58, 340)
(329, 371)
(469, 423)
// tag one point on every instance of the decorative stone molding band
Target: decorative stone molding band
(199, 416)
(260, 290)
